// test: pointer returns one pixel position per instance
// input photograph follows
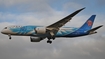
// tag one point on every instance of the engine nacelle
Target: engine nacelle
(40, 30)
(35, 39)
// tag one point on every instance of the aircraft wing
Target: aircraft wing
(53, 28)
(63, 21)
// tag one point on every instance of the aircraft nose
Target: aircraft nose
(2, 31)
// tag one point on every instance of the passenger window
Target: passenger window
(5, 28)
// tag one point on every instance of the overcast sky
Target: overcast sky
(46, 12)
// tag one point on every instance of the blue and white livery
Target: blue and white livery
(38, 33)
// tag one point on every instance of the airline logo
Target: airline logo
(89, 22)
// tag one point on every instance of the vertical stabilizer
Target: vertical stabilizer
(88, 24)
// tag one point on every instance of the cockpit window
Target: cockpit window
(5, 28)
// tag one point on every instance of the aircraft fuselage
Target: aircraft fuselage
(30, 31)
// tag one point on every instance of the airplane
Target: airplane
(55, 30)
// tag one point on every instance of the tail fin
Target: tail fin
(88, 24)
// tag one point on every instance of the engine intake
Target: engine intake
(35, 39)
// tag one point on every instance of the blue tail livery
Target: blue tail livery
(88, 24)
(55, 30)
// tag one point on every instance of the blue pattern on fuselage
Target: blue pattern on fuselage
(65, 31)
(25, 30)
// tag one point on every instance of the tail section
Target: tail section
(93, 31)
(88, 24)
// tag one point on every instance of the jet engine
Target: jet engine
(35, 39)
(40, 30)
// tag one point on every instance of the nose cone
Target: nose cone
(2, 31)
(6, 31)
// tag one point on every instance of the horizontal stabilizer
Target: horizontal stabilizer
(95, 28)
